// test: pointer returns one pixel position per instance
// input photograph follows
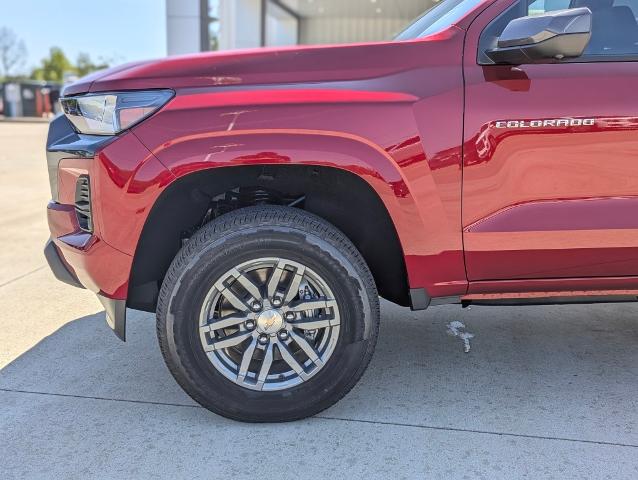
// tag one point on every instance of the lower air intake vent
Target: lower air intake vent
(83, 203)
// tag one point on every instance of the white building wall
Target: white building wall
(281, 28)
(183, 26)
(240, 24)
(349, 30)
(241, 27)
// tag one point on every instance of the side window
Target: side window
(539, 7)
(614, 27)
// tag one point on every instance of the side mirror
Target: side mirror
(552, 36)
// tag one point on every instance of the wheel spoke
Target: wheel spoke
(293, 288)
(226, 322)
(265, 366)
(229, 341)
(307, 348)
(288, 357)
(315, 304)
(313, 323)
(245, 282)
(233, 299)
(275, 278)
(245, 361)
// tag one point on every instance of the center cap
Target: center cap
(269, 322)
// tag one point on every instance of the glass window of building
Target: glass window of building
(213, 22)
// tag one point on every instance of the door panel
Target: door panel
(550, 168)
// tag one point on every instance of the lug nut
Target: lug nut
(263, 339)
(250, 324)
(276, 302)
(290, 316)
(283, 335)
(256, 306)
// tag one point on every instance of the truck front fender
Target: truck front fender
(356, 155)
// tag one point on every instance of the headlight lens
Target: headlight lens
(111, 113)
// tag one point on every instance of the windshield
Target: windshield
(438, 18)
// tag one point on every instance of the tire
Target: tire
(208, 279)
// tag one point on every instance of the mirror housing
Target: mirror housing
(552, 36)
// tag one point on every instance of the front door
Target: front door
(551, 152)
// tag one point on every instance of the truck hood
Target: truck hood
(299, 64)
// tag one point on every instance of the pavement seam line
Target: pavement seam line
(106, 399)
(340, 419)
(482, 432)
(20, 277)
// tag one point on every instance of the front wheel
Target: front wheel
(268, 314)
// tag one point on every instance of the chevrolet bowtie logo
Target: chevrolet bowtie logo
(270, 321)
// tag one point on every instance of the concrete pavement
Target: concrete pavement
(546, 392)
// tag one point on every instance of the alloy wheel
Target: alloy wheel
(269, 324)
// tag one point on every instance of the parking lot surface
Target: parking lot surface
(545, 392)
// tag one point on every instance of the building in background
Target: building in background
(204, 25)
(29, 98)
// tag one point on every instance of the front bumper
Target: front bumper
(77, 257)
(115, 309)
(83, 260)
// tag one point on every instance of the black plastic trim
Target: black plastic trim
(419, 299)
(83, 208)
(63, 139)
(567, 300)
(115, 315)
(58, 267)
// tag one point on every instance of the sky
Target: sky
(117, 30)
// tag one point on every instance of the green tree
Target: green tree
(54, 67)
(85, 65)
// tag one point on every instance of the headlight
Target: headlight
(110, 113)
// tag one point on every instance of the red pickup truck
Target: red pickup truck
(261, 201)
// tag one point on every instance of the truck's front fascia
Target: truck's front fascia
(102, 189)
